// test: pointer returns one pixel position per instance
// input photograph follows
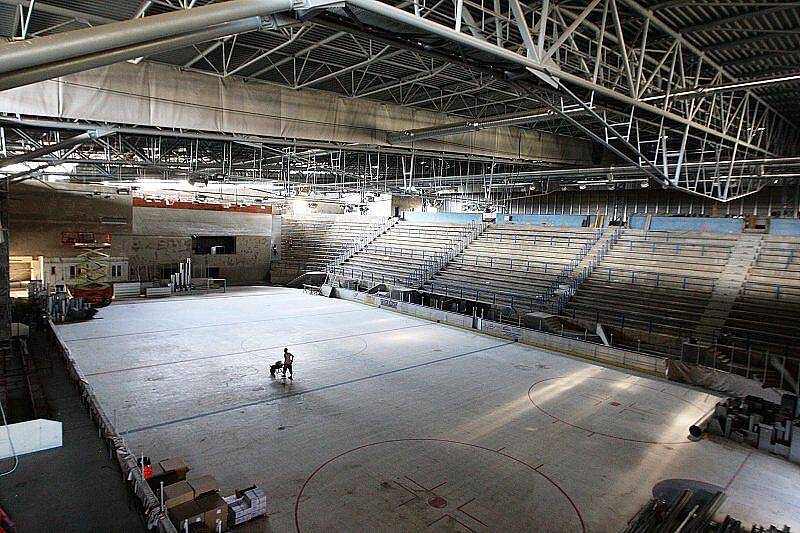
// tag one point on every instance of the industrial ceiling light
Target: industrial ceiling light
(299, 206)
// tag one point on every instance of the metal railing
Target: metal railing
(526, 265)
(655, 279)
(778, 290)
(573, 280)
(359, 244)
(654, 247)
(549, 240)
(474, 229)
(356, 274)
(429, 262)
(514, 300)
(772, 364)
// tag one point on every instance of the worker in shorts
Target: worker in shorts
(287, 362)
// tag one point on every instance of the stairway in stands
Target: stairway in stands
(728, 286)
(584, 268)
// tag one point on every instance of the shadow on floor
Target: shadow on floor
(73, 488)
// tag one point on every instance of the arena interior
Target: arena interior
(537, 265)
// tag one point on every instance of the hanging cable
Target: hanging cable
(10, 443)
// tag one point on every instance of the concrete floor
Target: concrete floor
(395, 423)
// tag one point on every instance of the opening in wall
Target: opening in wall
(213, 245)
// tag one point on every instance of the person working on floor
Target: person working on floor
(287, 362)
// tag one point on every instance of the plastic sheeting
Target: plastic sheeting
(125, 458)
(716, 380)
(157, 95)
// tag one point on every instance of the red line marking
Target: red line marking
(478, 520)
(617, 437)
(746, 458)
(414, 494)
(364, 446)
(420, 485)
(452, 518)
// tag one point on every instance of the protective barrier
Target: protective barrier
(116, 445)
(576, 347)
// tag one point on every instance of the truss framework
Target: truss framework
(644, 91)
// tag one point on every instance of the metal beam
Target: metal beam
(42, 50)
(55, 147)
(514, 119)
(399, 15)
(61, 12)
(741, 17)
(53, 70)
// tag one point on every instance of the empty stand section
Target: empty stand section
(514, 266)
(650, 288)
(311, 243)
(407, 254)
(765, 320)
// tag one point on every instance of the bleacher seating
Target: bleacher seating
(651, 288)
(765, 314)
(311, 242)
(516, 266)
(400, 255)
(652, 291)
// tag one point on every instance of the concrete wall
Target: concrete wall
(401, 203)
(784, 226)
(148, 237)
(701, 224)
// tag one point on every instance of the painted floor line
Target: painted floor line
(316, 389)
(224, 324)
(254, 350)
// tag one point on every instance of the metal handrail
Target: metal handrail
(780, 288)
(468, 291)
(362, 242)
(686, 280)
(677, 246)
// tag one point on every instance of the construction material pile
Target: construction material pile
(245, 505)
(692, 512)
(768, 426)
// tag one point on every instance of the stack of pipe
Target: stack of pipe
(181, 281)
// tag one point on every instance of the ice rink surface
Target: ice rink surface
(396, 423)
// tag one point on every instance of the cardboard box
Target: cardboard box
(214, 508)
(177, 493)
(169, 471)
(175, 465)
(188, 511)
(203, 485)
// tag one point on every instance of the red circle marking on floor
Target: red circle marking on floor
(437, 502)
(610, 435)
(445, 441)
